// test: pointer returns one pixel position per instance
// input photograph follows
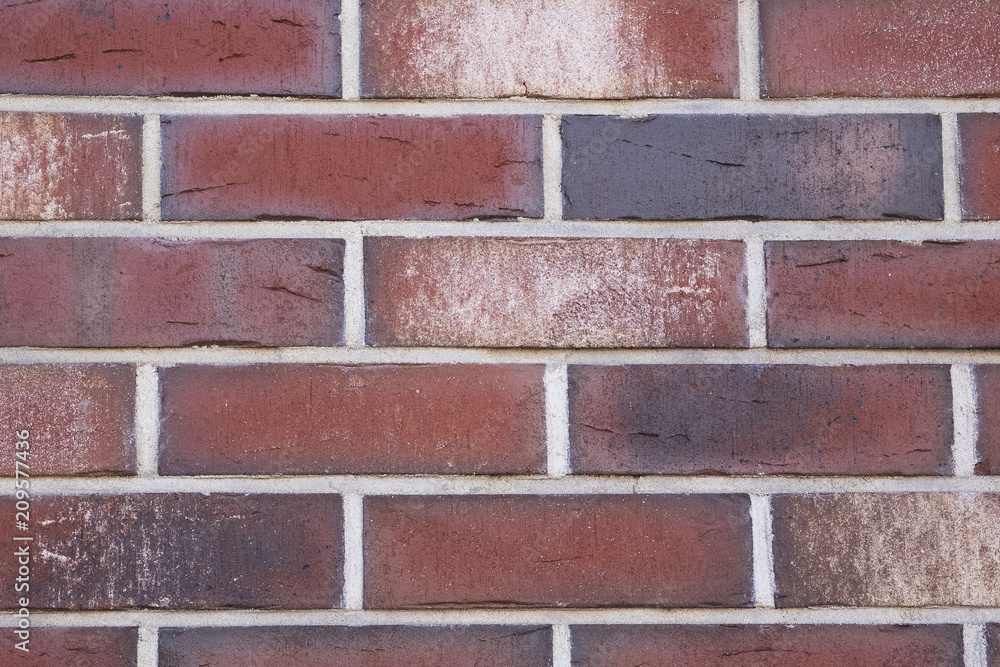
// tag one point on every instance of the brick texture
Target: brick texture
(80, 417)
(72, 647)
(868, 420)
(69, 166)
(120, 292)
(886, 550)
(131, 47)
(883, 294)
(768, 645)
(499, 292)
(295, 419)
(979, 136)
(351, 167)
(181, 551)
(987, 379)
(782, 167)
(533, 48)
(993, 644)
(556, 551)
(382, 646)
(895, 48)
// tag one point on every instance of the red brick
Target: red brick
(619, 49)
(813, 420)
(887, 550)
(987, 380)
(768, 645)
(131, 47)
(180, 551)
(895, 48)
(351, 167)
(70, 167)
(72, 647)
(557, 551)
(380, 646)
(980, 165)
(80, 417)
(609, 292)
(294, 419)
(129, 292)
(883, 294)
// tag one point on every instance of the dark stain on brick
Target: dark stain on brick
(183, 551)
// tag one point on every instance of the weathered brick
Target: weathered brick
(69, 166)
(351, 167)
(555, 551)
(513, 292)
(684, 420)
(883, 294)
(781, 167)
(80, 417)
(296, 419)
(897, 48)
(987, 379)
(131, 47)
(887, 550)
(534, 48)
(768, 645)
(72, 647)
(181, 551)
(980, 165)
(380, 646)
(993, 644)
(130, 292)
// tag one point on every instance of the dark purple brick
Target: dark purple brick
(683, 420)
(780, 167)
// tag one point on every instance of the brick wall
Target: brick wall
(520, 332)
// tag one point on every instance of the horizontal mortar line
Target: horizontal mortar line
(770, 230)
(384, 485)
(235, 356)
(511, 106)
(618, 616)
